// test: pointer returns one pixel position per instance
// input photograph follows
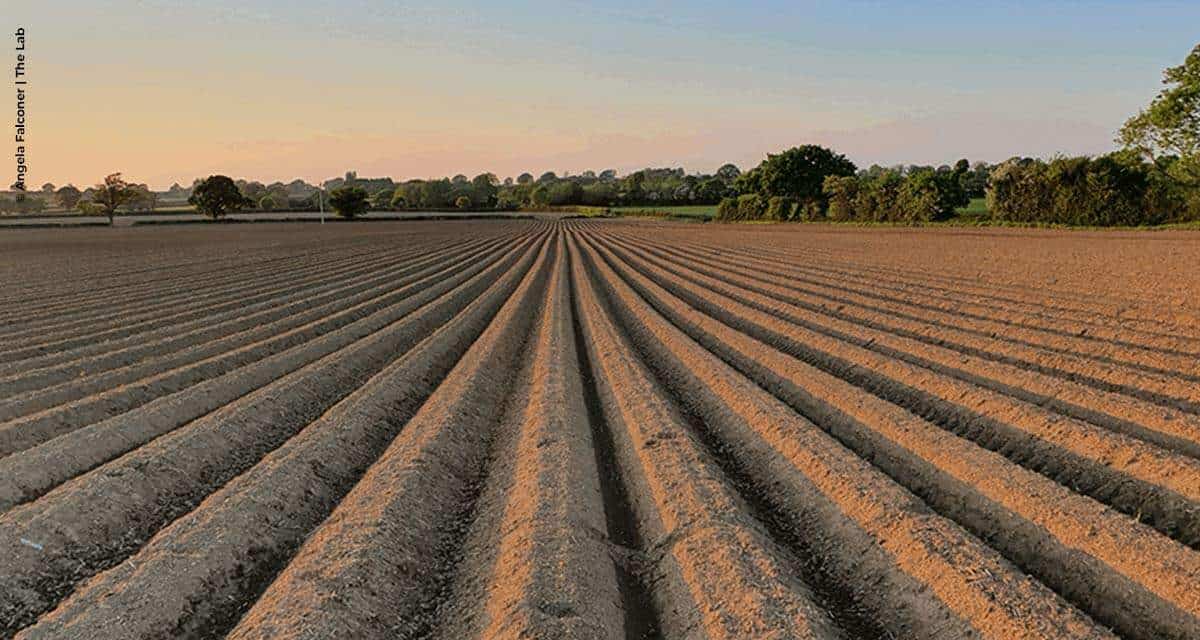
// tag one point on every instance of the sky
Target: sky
(274, 90)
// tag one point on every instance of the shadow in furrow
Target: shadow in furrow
(641, 620)
(830, 594)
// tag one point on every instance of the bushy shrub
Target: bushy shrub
(922, 198)
(842, 192)
(780, 208)
(349, 202)
(751, 207)
(727, 209)
(1113, 189)
(878, 196)
(811, 210)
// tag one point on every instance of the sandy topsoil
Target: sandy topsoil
(598, 429)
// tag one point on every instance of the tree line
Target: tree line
(1153, 178)
(648, 187)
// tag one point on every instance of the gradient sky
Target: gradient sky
(274, 90)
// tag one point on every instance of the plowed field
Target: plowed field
(598, 429)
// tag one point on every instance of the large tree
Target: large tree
(800, 172)
(215, 196)
(1171, 124)
(1170, 127)
(112, 193)
(349, 202)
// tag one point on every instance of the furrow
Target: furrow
(923, 300)
(712, 569)
(1157, 361)
(165, 340)
(252, 336)
(1164, 426)
(537, 562)
(234, 262)
(1124, 574)
(927, 577)
(134, 305)
(181, 585)
(42, 467)
(198, 312)
(1132, 476)
(400, 529)
(95, 521)
(1051, 305)
(1168, 390)
(57, 295)
(159, 260)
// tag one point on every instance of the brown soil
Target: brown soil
(598, 429)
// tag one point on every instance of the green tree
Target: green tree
(1171, 124)
(728, 173)
(462, 202)
(218, 195)
(842, 192)
(485, 187)
(110, 194)
(1168, 132)
(349, 202)
(800, 172)
(408, 195)
(382, 199)
(267, 203)
(710, 191)
(68, 196)
(565, 192)
(435, 194)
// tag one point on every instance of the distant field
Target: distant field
(977, 207)
(706, 211)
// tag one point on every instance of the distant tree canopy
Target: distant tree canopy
(349, 202)
(68, 196)
(728, 172)
(648, 187)
(218, 195)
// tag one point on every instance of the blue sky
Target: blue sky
(277, 90)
